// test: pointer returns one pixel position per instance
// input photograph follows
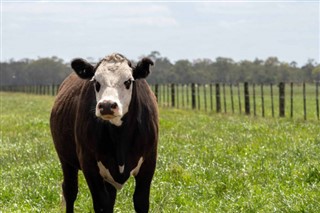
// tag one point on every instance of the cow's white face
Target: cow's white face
(113, 87)
(113, 81)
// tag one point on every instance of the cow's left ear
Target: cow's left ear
(142, 69)
(83, 69)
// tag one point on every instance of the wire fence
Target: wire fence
(267, 100)
(282, 100)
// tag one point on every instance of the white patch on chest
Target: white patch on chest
(136, 170)
(121, 169)
(105, 173)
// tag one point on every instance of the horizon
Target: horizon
(213, 60)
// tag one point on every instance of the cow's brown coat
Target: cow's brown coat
(82, 140)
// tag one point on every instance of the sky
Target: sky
(240, 30)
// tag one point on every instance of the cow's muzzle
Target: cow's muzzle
(107, 109)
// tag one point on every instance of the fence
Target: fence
(283, 100)
(299, 100)
(32, 89)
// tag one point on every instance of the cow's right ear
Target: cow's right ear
(83, 69)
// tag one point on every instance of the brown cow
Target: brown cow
(105, 122)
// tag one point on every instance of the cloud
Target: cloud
(156, 21)
(144, 15)
(81, 13)
(89, 14)
(233, 24)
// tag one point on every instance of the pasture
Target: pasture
(207, 162)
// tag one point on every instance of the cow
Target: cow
(104, 121)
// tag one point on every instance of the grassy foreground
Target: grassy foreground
(206, 163)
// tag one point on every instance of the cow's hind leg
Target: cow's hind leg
(69, 186)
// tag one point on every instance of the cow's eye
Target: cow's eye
(127, 83)
(97, 86)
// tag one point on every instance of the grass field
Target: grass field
(207, 162)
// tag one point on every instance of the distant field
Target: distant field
(207, 162)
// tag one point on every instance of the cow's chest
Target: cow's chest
(118, 176)
(119, 154)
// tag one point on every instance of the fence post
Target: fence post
(168, 95)
(291, 100)
(317, 98)
(231, 94)
(224, 98)
(281, 99)
(246, 98)
(193, 96)
(304, 101)
(239, 98)
(187, 96)
(262, 100)
(182, 94)
(177, 95)
(205, 96)
(198, 91)
(211, 102)
(254, 100)
(218, 100)
(272, 106)
(172, 95)
(156, 91)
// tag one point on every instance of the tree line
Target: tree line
(47, 71)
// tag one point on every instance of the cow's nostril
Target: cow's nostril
(100, 106)
(114, 105)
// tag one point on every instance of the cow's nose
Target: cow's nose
(107, 107)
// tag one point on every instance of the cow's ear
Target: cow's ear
(83, 69)
(142, 69)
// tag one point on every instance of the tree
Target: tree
(225, 68)
(316, 73)
(307, 70)
(53, 71)
(161, 71)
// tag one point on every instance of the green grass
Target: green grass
(207, 162)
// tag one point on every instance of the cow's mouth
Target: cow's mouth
(108, 117)
(114, 119)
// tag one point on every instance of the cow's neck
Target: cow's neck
(120, 136)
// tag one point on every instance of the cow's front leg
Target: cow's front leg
(112, 193)
(69, 185)
(142, 189)
(102, 201)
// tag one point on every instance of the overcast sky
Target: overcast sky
(241, 30)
